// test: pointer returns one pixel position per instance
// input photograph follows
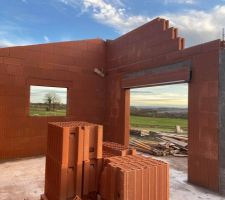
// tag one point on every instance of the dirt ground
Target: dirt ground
(24, 180)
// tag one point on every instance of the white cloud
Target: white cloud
(46, 39)
(71, 2)
(9, 35)
(14, 42)
(168, 95)
(180, 1)
(37, 93)
(111, 13)
(12, 34)
(6, 43)
(197, 26)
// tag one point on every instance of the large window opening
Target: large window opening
(48, 101)
(159, 123)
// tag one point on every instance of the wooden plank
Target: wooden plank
(174, 141)
(180, 155)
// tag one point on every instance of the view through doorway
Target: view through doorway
(159, 122)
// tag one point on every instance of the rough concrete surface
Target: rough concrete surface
(24, 180)
(180, 189)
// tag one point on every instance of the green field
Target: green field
(37, 111)
(158, 124)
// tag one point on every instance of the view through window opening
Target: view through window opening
(48, 101)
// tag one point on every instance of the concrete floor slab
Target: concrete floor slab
(24, 180)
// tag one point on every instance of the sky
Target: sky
(24, 22)
(161, 96)
(37, 93)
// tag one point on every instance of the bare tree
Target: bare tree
(52, 99)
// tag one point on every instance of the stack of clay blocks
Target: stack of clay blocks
(73, 160)
(134, 178)
(111, 149)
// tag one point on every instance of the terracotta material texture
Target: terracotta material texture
(43, 197)
(73, 160)
(74, 142)
(116, 174)
(114, 149)
(91, 176)
(63, 64)
(152, 54)
(134, 178)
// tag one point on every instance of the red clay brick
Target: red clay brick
(4, 52)
(135, 177)
(56, 180)
(71, 65)
(115, 149)
(27, 62)
(67, 171)
(92, 171)
(43, 197)
(12, 61)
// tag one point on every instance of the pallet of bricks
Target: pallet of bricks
(73, 160)
(79, 165)
(128, 176)
(134, 177)
(111, 149)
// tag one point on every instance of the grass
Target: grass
(34, 111)
(158, 124)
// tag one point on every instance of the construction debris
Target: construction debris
(139, 132)
(179, 129)
(170, 144)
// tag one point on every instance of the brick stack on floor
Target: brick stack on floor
(134, 177)
(79, 165)
(114, 149)
(73, 160)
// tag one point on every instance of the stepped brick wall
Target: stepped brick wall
(152, 54)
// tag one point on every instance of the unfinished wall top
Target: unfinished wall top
(146, 42)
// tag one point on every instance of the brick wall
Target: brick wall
(137, 52)
(106, 100)
(66, 64)
(203, 120)
(140, 49)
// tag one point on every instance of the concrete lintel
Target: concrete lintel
(158, 70)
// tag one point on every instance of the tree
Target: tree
(52, 99)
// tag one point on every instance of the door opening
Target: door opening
(159, 123)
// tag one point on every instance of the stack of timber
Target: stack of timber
(139, 132)
(169, 144)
